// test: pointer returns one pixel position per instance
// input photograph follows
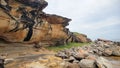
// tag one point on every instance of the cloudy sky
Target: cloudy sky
(96, 18)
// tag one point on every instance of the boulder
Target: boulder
(107, 52)
(81, 54)
(72, 65)
(115, 50)
(82, 37)
(91, 57)
(71, 59)
(103, 63)
(116, 53)
(87, 63)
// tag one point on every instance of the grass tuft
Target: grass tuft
(68, 46)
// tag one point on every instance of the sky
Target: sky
(95, 18)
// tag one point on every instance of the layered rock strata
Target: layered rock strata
(24, 21)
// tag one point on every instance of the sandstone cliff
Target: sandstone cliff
(24, 21)
(82, 37)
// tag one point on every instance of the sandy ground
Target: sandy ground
(19, 53)
(14, 50)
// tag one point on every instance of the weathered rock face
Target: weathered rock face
(24, 21)
(46, 28)
(82, 37)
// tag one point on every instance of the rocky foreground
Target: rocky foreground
(92, 56)
(100, 54)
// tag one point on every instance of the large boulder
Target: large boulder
(87, 63)
(81, 54)
(82, 37)
(107, 52)
(103, 63)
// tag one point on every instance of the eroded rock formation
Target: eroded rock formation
(24, 21)
(82, 37)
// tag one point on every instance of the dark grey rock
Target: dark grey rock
(118, 43)
(1, 63)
